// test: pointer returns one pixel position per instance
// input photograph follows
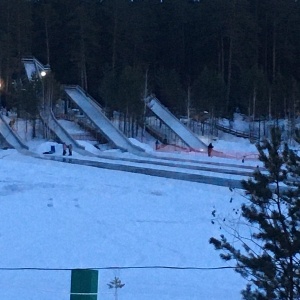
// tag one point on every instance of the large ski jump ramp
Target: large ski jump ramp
(34, 67)
(94, 112)
(184, 133)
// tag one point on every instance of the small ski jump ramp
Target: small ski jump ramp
(49, 119)
(10, 136)
(34, 67)
(94, 112)
(184, 133)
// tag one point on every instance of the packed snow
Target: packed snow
(150, 232)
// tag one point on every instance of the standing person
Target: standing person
(64, 148)
(70, 149)
(165, 141)
(209, 149)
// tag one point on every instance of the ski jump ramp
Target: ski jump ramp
(52, 123)
(34, 67)
(10, 136)
(94, 112)
(184, 133)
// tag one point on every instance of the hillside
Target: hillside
(60, 216)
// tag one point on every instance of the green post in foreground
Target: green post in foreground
(84, 284)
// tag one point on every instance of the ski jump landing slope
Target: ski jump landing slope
(49, 119)
(10, 136)
(33, 66)
(186, 135)
(94, 112)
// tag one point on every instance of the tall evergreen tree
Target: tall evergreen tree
(27, 100)
(131, 85)
(83, 41)
(253, 93)
(170, 91)
(208, 92)
(269, 258)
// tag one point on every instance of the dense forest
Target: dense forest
(209, 55)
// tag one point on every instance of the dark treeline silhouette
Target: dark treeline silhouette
(208, 55)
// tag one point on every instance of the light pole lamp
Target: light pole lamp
(46, 69)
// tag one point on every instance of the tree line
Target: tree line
(209, 55)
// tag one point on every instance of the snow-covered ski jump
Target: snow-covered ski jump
(94, 113)
(184, 133)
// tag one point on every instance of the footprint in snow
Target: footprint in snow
(50, 202)
(76, 204)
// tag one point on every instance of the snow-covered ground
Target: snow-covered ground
(58, 216)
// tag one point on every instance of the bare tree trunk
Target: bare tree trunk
(270, 103)
(83, 74)
(229, 74)
(145, 105)
(189, 102)
(285, 107)
(249, 107)
(19, 33)
(114, 46)
(266, 48)
(8, 47)
(254, 103)
(124, 124)
(230, 53)
(47, 33)
(221, 58)
(274, 52)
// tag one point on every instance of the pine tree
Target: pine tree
(208, 92)
(26, 98)
(269, 258)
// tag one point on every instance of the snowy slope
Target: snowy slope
(56, 215)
